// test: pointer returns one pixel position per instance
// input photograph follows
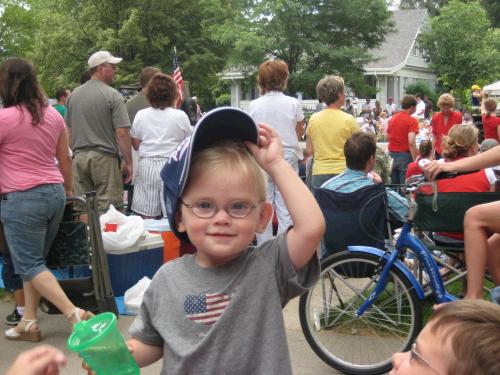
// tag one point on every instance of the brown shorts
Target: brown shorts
(99, 172)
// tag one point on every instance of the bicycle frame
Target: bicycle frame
(406, 240)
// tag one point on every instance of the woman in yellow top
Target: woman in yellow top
(328, 130)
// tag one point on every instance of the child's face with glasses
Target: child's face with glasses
(429, 355)
(221, 214)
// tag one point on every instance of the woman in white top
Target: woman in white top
(156, 133)
(283, 113)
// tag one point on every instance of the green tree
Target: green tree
(16, 27)
(433, 7)
(313, 37)
(462, 46)
(143, 34)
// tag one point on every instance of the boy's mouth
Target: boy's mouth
(221, 235)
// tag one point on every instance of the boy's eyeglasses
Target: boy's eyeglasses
(415, 355)
(207, 209)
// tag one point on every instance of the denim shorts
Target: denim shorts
(31, 219)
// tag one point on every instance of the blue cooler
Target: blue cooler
(128, 266)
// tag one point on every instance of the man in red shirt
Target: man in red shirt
(443, 121)
(402, 132)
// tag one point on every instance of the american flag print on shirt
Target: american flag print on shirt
(206, 308)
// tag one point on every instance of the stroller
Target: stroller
(76, 244)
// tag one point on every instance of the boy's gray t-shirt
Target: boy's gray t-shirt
(227, 319)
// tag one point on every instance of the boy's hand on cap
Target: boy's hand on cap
(269, 152)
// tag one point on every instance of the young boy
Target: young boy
(219, 311)
(461, 338)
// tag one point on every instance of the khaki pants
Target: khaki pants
(100, 172)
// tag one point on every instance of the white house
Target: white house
(399, 61)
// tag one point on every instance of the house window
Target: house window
(418, 49)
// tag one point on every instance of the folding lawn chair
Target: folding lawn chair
(78, 243)
(444, 212)
(357, 218)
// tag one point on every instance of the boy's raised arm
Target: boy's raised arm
(308, 222)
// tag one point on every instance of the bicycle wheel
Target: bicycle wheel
(363, 345)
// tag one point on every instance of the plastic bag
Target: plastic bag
(128, 230)
(133, 296)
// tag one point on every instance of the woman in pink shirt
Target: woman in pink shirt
(32, 189)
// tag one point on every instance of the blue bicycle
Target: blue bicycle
(368, 302)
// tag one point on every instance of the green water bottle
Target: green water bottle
(99, 342)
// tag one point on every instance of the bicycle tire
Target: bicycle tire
(353, 345)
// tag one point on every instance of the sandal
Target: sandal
(26, 334)
(75, 316)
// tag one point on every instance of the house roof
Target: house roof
(398, 43)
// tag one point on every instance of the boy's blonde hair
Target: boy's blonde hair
(228, 156)
(473, 329)
(459, 140)
(490, 105)
(447, 100)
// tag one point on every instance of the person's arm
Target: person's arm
(64, 162)
(498, 131)
(309, 147)
(308, 222)
(413, 145)
(486, 159)
(136, 143)
(299, 130)
(41, 360)
(125, 146)
(144, 354)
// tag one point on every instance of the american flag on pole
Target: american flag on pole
(177, 74)
(205, 308)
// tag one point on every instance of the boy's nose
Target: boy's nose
(397, 360)
(221, 216)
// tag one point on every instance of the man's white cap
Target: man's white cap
(102, 57)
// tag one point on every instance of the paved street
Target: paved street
(55, 332)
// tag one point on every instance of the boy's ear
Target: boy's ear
(180, 225)
(266, 213)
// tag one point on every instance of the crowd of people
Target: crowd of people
(219, 185)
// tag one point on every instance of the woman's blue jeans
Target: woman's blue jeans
(31, 219)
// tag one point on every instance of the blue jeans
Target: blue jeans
(400, 161)
(31, 219)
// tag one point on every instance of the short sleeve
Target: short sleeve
(135, 130)
(291, 283)
(119, 112)
(354, 125)
(413, 126)
(142, 327)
